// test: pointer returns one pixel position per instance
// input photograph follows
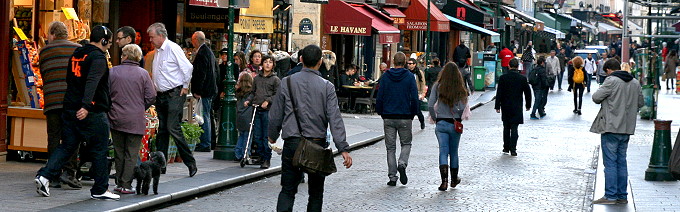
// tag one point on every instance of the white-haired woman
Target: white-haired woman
(132, 92)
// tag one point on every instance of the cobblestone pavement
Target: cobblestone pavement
(550, 173)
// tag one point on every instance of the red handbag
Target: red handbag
(458, 125)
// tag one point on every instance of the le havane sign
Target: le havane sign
(348, 30)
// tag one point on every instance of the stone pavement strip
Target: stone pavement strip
(18, 193)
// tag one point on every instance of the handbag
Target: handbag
(457, 125)
(310, 157)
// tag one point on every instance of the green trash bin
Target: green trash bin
(479, 73)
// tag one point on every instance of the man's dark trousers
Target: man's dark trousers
(291, 177)
(169, 106)
(54, 133)
(94, 130)
(510, 136)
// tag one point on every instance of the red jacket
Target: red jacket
(506, 56)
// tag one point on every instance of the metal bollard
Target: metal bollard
(661, 152)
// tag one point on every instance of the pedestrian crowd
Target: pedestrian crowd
(88, 101)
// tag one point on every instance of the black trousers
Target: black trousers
(510, 136)
(54, 133)
(291, 177)
(169, 106)
(578, 96)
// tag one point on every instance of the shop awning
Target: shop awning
(633, 25)
(258, 18)
(416, 17)
(396, 14)
(576, 21)
(538, 24)
(465, 12)
(548, 20)
(558, 34)
(465, 26)
(609, 29)
(358, 19)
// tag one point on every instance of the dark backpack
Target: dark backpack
(533, 77)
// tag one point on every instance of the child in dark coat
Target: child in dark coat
(244, 87)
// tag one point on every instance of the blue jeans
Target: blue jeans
(448, 143)
(540, 96)
(260, 134)
(94, 130)
(241, 144)
(614, 148)
(206, 135)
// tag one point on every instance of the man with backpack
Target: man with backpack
(538, 78)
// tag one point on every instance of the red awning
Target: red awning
(358, 19)
(396, 14)
(416, 17)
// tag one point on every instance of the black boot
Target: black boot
(444, 172)
(455, 180)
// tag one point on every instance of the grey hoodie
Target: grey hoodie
(621, 97)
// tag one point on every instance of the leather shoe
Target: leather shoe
(392, 183)
(265, 164)
(402, 175)
(192, 170)
(163, 170)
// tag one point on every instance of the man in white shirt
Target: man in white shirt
(171, 76)
(590, 66)
(553, 65)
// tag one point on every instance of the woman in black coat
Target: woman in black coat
(511, 87)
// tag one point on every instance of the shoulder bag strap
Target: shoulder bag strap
(292, 100)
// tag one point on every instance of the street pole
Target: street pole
(428, 43)
(228, 136)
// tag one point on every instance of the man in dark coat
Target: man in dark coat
(511, 87)
(461, 55)
(540, 86)
(203, 85)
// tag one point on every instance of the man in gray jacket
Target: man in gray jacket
(621, 97)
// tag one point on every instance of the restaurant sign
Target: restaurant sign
(422, 26)
(347, 30)
(220, 3)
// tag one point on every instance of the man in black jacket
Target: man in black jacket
(84, 118)
(538, 78)
(511, 87)
(203, 85)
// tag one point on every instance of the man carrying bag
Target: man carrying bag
(316, 107)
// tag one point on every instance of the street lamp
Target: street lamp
(226, 142)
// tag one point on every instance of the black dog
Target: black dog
(147, 170)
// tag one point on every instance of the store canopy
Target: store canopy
(465, 12)
(576, 21)
(548, 20)
(358, 19)
(396, 14)
(465, 26)
(416, 17)
(258, 18)
(538, 24)
(558, 34)
(633, 25)
(609, 29)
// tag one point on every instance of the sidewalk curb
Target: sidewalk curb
(224, 183)
(228, 182)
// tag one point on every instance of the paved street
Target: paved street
(551, 173)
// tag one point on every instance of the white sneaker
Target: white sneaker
(106, 196)
(43, 185)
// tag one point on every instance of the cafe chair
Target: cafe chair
(343, 103)
(368, 101)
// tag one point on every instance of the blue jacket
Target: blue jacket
(397, 95)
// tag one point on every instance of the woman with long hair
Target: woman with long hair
(411, 65)
(577, 82)
(672, 63)
(240, 60)
(448, 99)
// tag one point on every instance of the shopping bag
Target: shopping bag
(198, 111)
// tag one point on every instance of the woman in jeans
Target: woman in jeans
(448, 99)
